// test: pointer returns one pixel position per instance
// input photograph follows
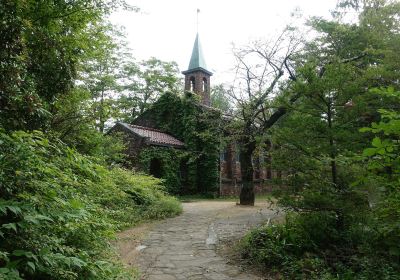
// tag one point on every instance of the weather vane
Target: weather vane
(197, 24)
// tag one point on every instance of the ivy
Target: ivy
(170, 161)
(199, 127)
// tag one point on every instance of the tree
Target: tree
(102, 70)
(41, 47)
(339, 66)
(381, 177)
(220, 98)
(260, 67)
(79, 117)
(143, 84)
(342, 208)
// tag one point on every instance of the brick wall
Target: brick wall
(233, 189)
(198, 77)
(134, 143)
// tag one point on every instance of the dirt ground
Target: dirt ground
(194, 245)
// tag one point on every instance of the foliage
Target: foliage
(42, 45)
(308, 246)
(58, 210)
(73, 124)
(60, 69)
(143, 84)
(382, 179)
(101, 71)
(342, 184)
(170, 160)
(198, 127)
(219, 98)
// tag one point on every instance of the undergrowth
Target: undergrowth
(59, 210)
(308, 246)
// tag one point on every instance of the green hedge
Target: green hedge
(59, 210)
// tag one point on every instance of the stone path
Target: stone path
(185, 247)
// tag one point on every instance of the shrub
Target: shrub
(308, 246)
(59, 209)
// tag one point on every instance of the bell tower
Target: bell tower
(197, 77)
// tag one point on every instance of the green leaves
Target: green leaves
(369, 152)
(144, 83)
(13, 208)
(376, 142)
(380, 147)
(46, 42)
(58, 213)
(12, 226)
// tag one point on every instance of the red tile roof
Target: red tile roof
(156, 137)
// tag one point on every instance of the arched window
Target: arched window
(192, 83)
(205, 86)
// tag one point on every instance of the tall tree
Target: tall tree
(144, 82)
(220, 98)
(339, 67)
(102, 70)
(40, 48)
(343, 208)
(260, 68)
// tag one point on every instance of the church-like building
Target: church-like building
(143, 133)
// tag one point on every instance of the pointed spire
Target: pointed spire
(197, 59)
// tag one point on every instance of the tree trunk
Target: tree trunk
(247, 196)
(332, 148)
(334, 172)
(101, 117)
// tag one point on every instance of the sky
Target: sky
(166, 29)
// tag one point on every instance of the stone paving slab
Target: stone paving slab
(184, 247)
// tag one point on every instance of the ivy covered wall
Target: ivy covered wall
(170, 165)
(194, 169)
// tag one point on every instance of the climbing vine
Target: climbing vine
(194, 169)
(170, 165)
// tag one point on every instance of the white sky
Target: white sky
(166, 29)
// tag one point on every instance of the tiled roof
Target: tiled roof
(156, 137)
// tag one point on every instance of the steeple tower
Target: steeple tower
(197, 77)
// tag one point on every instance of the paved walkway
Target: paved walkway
(184, 247)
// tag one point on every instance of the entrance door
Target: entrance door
(156, 168)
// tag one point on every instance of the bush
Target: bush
(59, 209)
(308, 246)
(148, 194)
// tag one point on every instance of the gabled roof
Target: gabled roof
(155, 136)
(197, 61)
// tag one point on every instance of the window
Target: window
(192, 83)
(268, 166)
(237, 156)
(205, 86)
(269, 173)
(237, 152)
